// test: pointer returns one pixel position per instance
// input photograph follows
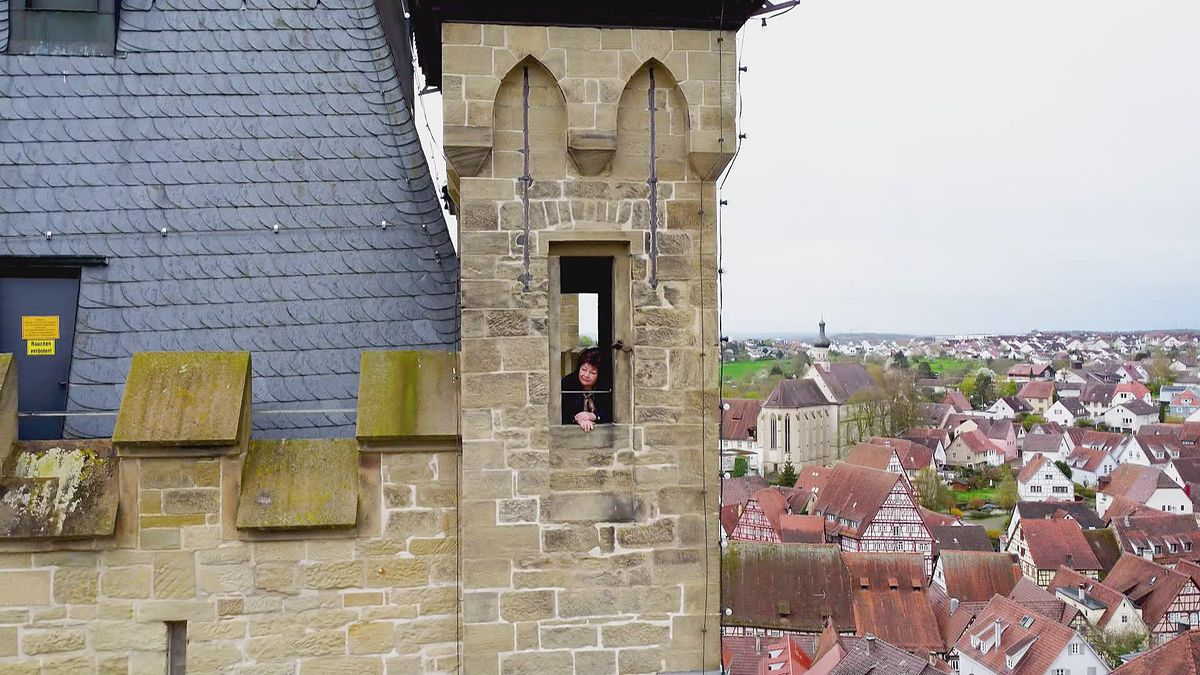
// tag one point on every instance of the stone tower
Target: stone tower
(583, 162)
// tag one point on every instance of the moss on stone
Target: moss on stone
(184, 398)
(408, 394)
(299, 484)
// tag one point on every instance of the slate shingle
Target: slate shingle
(222, 119)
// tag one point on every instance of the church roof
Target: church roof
(171, 167)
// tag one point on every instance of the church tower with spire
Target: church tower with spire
(820, 352)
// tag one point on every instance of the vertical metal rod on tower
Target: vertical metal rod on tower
(526, 180)
(653, 183)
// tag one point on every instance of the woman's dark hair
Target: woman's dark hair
(592, 356)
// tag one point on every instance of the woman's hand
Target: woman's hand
(586, 420)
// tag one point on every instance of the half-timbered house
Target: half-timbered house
(1042, 546)
(870, 510)
(1168, 599)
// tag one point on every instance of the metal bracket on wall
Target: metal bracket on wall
(525, 180)
(653, 183)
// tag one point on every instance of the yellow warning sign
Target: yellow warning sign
(39, 328)
(39, 347)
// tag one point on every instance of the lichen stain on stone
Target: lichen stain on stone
(59, 488)
(70, 467)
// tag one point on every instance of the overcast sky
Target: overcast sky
(951, 166)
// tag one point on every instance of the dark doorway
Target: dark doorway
(37, 325)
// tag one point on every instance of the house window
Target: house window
(1124, 618)
(589, 328)
(1075, 649)
(63, 27)
(176, 647)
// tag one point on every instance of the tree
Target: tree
(924, 370)
(967, 386)
(1062, 466)
(741, 467)
(1031, 419)
(976, 503)
(1006, 491)
(788, 477)
(933, 492)
(1085, 423)
(800, 363)
(985, 389)
(1008, 388)
(900, 360)
(1159, 368)
(1113, 644)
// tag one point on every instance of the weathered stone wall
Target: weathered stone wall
(588, 553)
(318, 556)
(286, 603)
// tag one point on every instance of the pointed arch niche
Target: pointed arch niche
(547, 124)
(672, 124)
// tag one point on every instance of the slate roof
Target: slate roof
(1180, 656)
(975, 576)
(1097, 392)
(960, 538)
(1139, 407)
(935, 414)
(873, 655)
(1105, 545)
(796, 394)
(845, 379)
(1078, 511)
(219, 120)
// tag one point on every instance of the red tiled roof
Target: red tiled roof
(1150, 586)
(1161, 448)
(1073, 582)
(890, 600)
(1037, 389)
(1180, 656)
(740, 422)
(855, 493)
(952, 623)
(1139, 390)
(1049, 443)
(870, 455)
(1148, 529)
(730, 515)
(1053, 543)
(786, 587)
(975, 576)
(935, 519)
(957, 400)
(800, 529)
(1087, 459)
(1046, 639)
(1030, 470)
(977, 442)
(738, 490)
(913, 456)
(1035, 598)
(1136, 482)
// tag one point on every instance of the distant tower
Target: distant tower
(820, 351)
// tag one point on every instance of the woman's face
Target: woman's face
(588, 374)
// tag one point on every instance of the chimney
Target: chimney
(1070, 561)
(953, 605)
(996, 629)
(870, 643)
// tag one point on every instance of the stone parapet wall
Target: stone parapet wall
(378, 596)
(590, 553)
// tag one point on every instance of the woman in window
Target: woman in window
(579, 405)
